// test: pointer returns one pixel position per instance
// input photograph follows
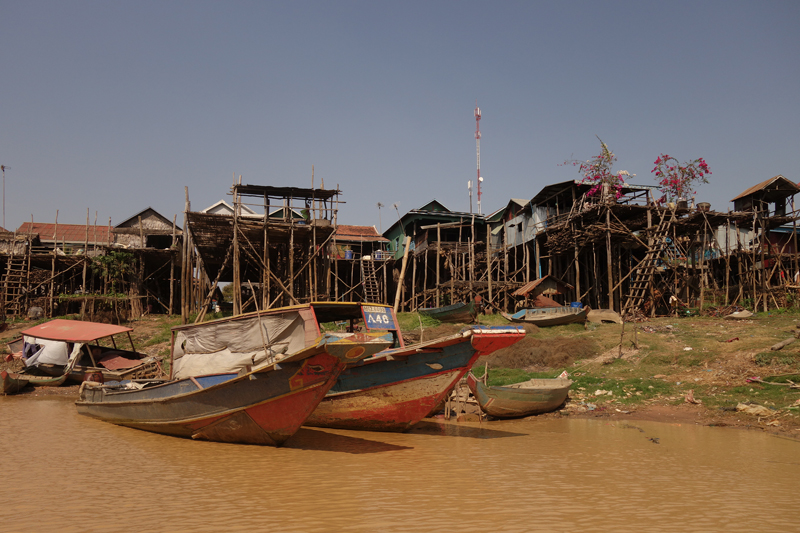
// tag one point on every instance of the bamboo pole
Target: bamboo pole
(85, 265)
(184, 262)
(402, 273)
(53, 267)
(237, 281)
(489, 259)
(608, 260)
(438, 263)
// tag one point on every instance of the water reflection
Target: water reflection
(65, 472)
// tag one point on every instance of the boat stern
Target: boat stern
(488, 339)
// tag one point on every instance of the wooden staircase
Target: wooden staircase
(15, 285)
(642, 277)
(370, 281)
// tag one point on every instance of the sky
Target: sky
(113, 107)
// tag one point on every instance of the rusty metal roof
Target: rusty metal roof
(358, 233)
(73, 330)
(528, 287)
(69, 233)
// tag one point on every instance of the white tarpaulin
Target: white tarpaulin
(231, 345)
(51, 352)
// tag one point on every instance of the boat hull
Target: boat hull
(458, 313)
(261, 407)
(548, 316)
(14, 382)
(11, 382)
(533, 397)
(398, 388)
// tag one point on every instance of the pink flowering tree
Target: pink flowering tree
(678, 180)
(597, 173)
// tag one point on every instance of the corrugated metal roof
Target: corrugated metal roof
(767, 183)
(71, 233)
(73, 330)
(528, 287)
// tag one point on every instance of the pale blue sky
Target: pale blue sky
(116, 106)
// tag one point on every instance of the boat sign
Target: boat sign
(377, 317)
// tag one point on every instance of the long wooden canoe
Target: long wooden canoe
(457, 313)
(549, 316)
(13, 382)
(531, 397)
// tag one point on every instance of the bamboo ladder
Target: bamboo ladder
(370, 281)
(642, 279)
(15, 282)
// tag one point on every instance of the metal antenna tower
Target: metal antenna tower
(478, 146)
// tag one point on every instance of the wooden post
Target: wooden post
(171, 283)
(184, 261)
(291, 259)
(608, 260)
(472, 254)
(53, 267)
(425, 277)
(413, 282)
(796, 252)
(402, 273)
(237, 281)
(650, 247)
(764, 240)
(438, 262)
(85, 264)
(577, 270)
(489, 259)
(268, 279)
(727, 260)
(703, 271)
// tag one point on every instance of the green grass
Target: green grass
(769, 395)
(164, 332)
(411, 321)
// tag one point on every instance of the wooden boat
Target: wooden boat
(549, 316)
(249, 379)
(531, 397)
(90, 346)
(396, 388)
(13, 382)
(457, 313)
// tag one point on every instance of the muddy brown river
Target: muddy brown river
(65, 472)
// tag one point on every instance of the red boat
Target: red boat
(396, 388)
(249, 379)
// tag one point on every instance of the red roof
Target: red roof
(358, 233)
(73, 330)
(72, 233)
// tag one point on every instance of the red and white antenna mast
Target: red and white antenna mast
(478, 146)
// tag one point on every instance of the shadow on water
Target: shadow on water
(427, 427)
(315, 439)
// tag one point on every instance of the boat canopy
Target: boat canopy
(73, 330)
(232, 344)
